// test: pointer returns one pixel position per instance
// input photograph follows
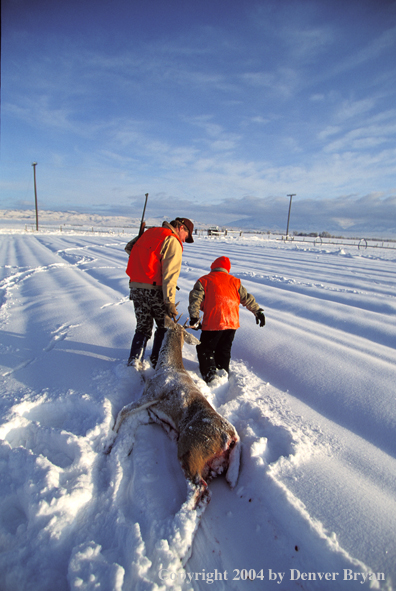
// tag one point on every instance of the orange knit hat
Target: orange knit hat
(223, 262)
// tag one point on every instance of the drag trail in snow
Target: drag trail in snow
(312, 396)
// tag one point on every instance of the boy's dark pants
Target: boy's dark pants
(214, 351)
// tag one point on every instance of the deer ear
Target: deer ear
(168, 322)
(190, 339)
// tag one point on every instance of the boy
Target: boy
(218, 295)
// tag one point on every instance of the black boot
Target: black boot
(207, 364)
(223, 350)
(138, 348)
(158, 338)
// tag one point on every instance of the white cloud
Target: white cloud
(353, 108)
(260, 120)
(317, 97)
(329, 131)
(373, 49)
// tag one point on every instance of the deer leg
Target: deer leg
(198, 495)
(233, 461)
(130, 409)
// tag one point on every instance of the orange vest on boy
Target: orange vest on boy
(221, 303)
(144, 264)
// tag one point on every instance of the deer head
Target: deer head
(172, 345)
(173, 327)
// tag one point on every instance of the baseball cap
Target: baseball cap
(190, 227)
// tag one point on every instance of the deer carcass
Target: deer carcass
(207, 444)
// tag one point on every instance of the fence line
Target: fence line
(360, 243)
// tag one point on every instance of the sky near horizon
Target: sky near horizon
(213, 108)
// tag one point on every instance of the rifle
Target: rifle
(143, 223)
(130, 244)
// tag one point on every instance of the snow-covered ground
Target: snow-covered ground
(312, 395)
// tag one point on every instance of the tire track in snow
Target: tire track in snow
(8, 284)
(58, 275)
(12, 281)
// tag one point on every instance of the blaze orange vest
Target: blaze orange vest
(144, 264)
(221, 303)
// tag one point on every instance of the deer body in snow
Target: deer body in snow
(207, 444)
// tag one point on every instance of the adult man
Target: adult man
(153, 269)
(218, 295)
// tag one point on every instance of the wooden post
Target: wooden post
(288, 217)
(35, 193)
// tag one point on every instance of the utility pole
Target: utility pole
(288, 217)
(35, 192)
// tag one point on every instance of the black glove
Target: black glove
(195, 324)
(260, 318)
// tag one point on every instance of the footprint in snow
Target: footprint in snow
(276, 444)
(118, 303)
(12, 515)
(59, 447)
(268, 441)
(60, 334)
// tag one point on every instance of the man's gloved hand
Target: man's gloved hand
(260, 318)
(171, 311)
(195, 324)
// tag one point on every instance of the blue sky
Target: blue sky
(217, 109)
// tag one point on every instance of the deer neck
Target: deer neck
(171, 350)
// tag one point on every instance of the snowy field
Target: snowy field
(312, 395)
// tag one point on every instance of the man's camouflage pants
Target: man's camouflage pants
(149, 306)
